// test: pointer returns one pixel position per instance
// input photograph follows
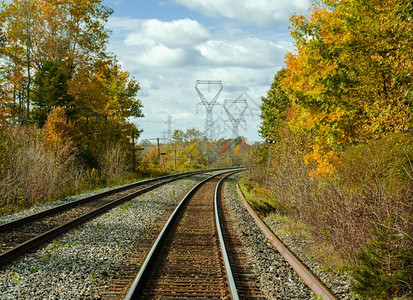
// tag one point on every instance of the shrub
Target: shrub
(364, 206)
(384, 268)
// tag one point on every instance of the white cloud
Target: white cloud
(175, 33)
(250, 52)
(260, 12)
(160, 55)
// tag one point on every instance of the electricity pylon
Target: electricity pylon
(235, 115)
(209, 129)
(252, 109)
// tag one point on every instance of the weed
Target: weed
(125, 206)
(98, 225)
(172, 195)
(93, 275)
(34, 269)
(16, 278)
(47, 256)
(54, 246)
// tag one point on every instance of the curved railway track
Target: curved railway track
(189, 258)
(21, 235)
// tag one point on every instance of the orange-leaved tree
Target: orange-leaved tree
(349, 80)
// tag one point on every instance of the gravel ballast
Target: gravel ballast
(81, 263)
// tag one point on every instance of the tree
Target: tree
(50, 91)
(274, 108)
(70, 33)
(349, 80)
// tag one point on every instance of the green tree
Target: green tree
(50, 91)
(383, 268)
(274, 108)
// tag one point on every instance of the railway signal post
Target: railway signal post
(268, 162)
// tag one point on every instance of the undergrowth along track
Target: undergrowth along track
(307, 276)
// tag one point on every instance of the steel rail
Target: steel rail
(230, 277)
(60, 208)
(36, 241)
(308, 277)
(149, 261)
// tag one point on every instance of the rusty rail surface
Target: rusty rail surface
(308, 277)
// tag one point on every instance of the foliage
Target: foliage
(50, 91)
(37, 165)
(274, 108)
(54, 61)
(349, 79)
(369, 192)
(341, 112)
(384, 268)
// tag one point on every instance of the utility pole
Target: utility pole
(159, 149)
(268, 162)
(175, 157)
(133, 152)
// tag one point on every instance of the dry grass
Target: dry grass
(114, 163)
(372, 189)
(31, 172)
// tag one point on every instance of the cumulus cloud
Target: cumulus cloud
(167, 57)
(161, 55)
(260, 12)
(172, 34)
(250, 52)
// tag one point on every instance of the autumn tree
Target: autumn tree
(344, 103)
(349, 80)
(54, 57)
(36, 32)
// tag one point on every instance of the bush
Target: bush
(33, 170)
(370, 191)
(31, 174)
(384, 268)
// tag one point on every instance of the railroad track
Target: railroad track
(306, 275)
(189, 259)
(21, 235)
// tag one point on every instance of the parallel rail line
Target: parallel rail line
(308, 277)
(21, 235)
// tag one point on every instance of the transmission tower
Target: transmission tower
(209, 129)
(235, 110)
(169, 130)
(254, 109)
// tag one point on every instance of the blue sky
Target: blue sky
(168, 45)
